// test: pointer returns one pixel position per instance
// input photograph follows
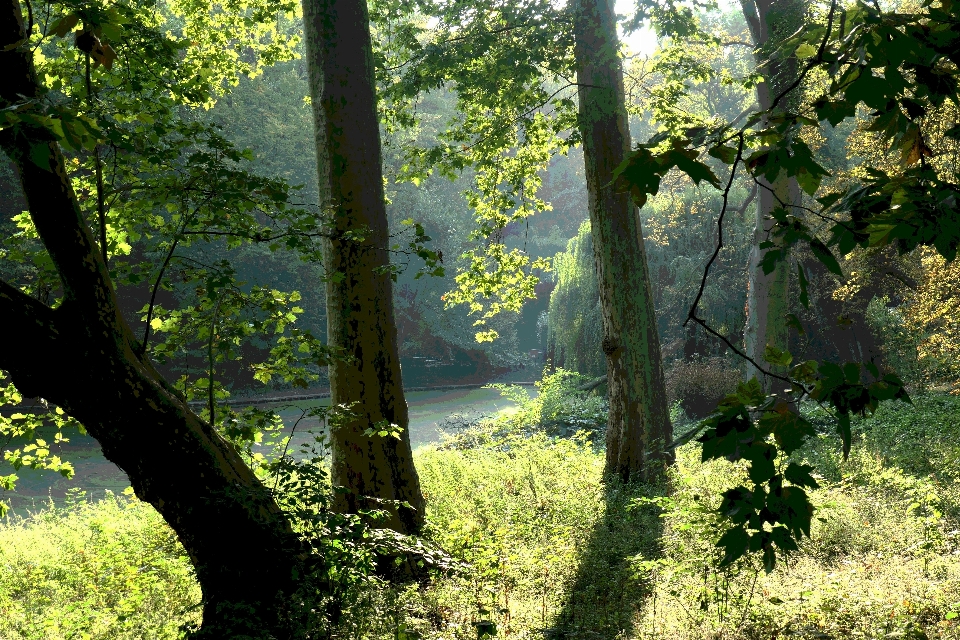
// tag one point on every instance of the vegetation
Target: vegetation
(746, 422)
(550, 547)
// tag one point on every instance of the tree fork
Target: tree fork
(83, 357)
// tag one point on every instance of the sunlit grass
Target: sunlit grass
(555, 553)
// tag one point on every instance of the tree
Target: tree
(372, 458)
(82, 356)
(639, 427)
(511, 66)
(575, 320)
(770, 22)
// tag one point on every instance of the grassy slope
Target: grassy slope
(555, 554)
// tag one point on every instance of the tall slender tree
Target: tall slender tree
(639, 420)
(770, 21)
(360, 314)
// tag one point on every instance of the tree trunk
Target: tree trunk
(81, 356)
(639, 423)
(770, 21)
(360, 317)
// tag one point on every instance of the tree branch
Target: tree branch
(28, 322)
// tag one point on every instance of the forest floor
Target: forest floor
(554, 553)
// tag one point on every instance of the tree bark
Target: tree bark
(639, 421)
(360, 316)
(81, 355)
(770, 21)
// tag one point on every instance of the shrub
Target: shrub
(559, 409)
(698, 385)
(109, 569)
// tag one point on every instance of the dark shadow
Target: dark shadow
(606, 594)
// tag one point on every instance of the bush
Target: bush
(553, 551)
(559, 409)
(698, 385)
(109, 569)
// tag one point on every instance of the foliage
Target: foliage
(559, 409)
(931, 314)
(173, 203)
(903, 66)
(526, 519)
(699, 385)
(574, 321)
(678, 237)
(509, 68)
(105, 569)
(19, 428)
(550, 548)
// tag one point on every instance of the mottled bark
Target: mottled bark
(360, 312)
(770, 21)
(639, 423)
(767, 293)
(82, 356)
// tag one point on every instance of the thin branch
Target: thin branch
(692, 314)
(212, 363)
(456, 39)
(746, 203)
(98, 171)
(737, 351)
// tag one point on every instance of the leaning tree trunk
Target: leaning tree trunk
(770, 21)
(360, 317)
(639, 423)
(82, 356)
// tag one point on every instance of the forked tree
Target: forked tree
(83, 356)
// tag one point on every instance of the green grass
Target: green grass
(556, 554)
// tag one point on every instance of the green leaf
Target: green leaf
(64, 25)
(723, 153)
(734, 544)
(834, 112)
(809, 182)
(776, 356)
(806, 50)
(824, 255)
(804, 296)
(769, 559)
(761, 464)
(872, 90)
(40, 155)
(843, 429)
(799, 474)
(851, 372)
(793, 322)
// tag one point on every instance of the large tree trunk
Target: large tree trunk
(770, 21)
(639, 423)
(360, 317)
(81, 356)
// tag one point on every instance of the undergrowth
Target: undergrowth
(554, 553)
